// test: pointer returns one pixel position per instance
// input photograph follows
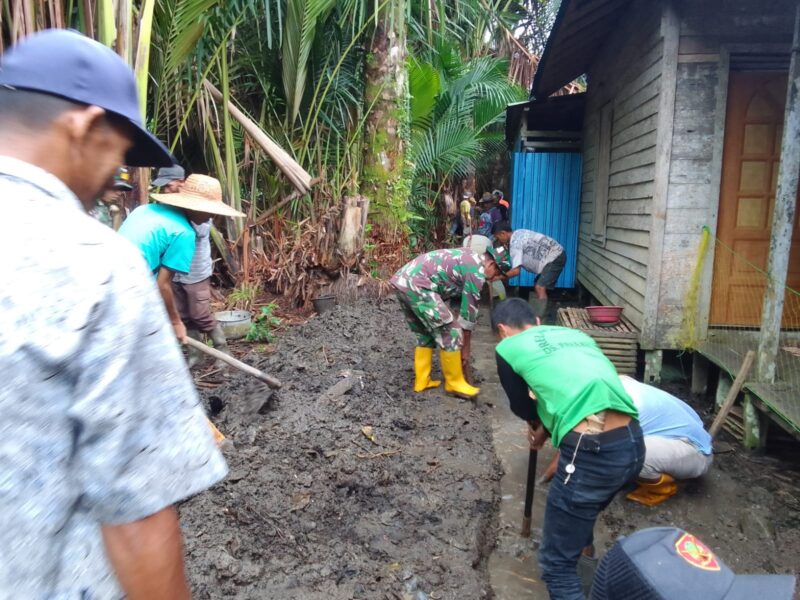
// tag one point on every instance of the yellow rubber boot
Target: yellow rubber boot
(423, 358)
(651, 493)
(454, 382)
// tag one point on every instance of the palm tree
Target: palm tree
(456, 108)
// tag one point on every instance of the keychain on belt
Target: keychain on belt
(570, 468)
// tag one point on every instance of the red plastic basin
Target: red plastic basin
(604, 315)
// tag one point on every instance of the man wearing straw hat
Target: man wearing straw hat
(164, 234)
(192, 291)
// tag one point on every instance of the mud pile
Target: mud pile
(345, 484)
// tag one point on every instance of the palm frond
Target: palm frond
(302, 19)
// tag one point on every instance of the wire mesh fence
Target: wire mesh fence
(740, 279)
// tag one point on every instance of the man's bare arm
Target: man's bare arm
(147, 556)
(165, 288)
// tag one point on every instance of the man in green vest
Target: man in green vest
(584, 408)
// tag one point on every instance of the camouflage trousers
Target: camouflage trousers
(430, 319)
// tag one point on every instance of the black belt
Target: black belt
(612, 435)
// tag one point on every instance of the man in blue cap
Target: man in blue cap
(102, 431)
(666, 563)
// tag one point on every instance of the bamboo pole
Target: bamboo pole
(298, 176)
(142, 60)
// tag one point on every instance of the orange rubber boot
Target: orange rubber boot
(651, 493)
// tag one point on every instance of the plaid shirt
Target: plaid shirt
(101, 423)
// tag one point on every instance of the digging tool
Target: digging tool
(530, 487)
(261, 376)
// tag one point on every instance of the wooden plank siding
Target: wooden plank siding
(709, 30)
(627, 73)
(657, 200)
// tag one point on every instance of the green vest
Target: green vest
(568, 373)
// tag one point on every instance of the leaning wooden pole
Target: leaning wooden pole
(782, 220)
(300, 179)
(738, 383)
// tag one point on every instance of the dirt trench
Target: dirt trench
(313, 508)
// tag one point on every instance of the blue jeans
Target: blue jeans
(604, 463)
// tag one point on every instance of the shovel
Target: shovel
(260, 375)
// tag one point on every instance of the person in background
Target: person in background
(164, 233)
(192, 291)
(503, 205)
(466, 211)
(581, 404)
(102, 430)
(423, 287)
(169, 179)
(108, 209)
(537, 253)
(489, 217)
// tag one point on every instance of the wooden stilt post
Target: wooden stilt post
(782, 219)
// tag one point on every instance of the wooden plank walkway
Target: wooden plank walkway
(620, 342)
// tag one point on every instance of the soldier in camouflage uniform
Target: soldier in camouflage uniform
(423, 287)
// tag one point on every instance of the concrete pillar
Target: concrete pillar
(700, 368)
(653, 359)
(755, 425)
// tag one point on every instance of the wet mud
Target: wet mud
(345, 483)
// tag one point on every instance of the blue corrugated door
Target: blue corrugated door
(546, 197)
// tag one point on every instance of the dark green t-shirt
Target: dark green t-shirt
(568, 373)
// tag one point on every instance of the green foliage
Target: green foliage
(302, 20)
(243, 296)
(424, 86)
(264, 325)
(459, 129)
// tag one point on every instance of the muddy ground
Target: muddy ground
(312, 507)
(747, 508)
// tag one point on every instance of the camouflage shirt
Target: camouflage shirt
(450, 274)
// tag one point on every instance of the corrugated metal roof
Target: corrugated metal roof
(580, 27)
(545, 197)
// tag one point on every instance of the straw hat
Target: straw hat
(201, 193)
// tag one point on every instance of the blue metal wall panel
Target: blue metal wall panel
(545, 197)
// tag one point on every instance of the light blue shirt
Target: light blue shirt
(662, 414)
(164, 236)
(101, 421)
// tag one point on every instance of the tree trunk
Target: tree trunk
(386, 179)
(351, 231)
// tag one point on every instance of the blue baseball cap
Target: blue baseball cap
(64, 63)
(666, 563)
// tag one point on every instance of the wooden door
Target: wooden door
(751, 155)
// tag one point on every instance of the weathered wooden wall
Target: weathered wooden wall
(627, 74)
(710, 32)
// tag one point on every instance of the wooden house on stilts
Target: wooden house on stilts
(689, 136)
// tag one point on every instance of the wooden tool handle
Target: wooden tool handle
(530, 487)
(270, 381)
(734, 391)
